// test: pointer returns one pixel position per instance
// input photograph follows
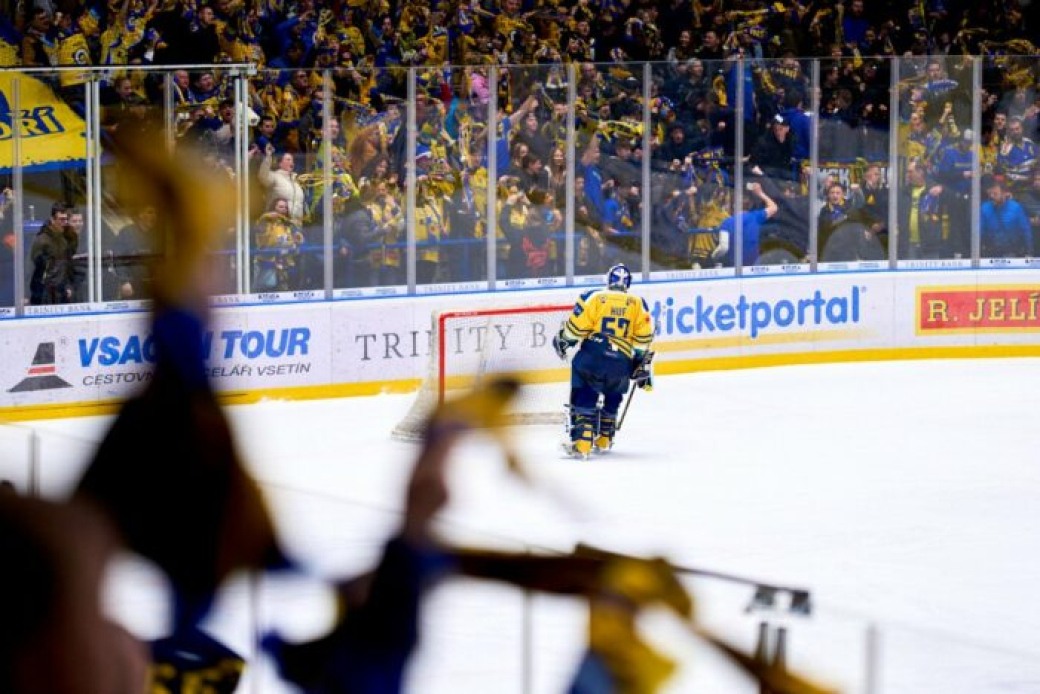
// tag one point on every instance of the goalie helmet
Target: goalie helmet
(619, 277)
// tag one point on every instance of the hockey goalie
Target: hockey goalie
(615, 331)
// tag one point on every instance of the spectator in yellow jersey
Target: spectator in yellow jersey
(277, 243)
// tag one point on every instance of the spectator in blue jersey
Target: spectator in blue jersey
(939, 86)
(599, 191)
(953, 170)
(751, 229)
(1017, 155)
(801, 122)
(953, 164)
(1003, 226)
(855, 25)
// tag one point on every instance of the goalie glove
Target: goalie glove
(643, 373)
(561, 344)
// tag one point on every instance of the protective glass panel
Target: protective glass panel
(220, 150)
(369, 241)
(691, 182)
(53, 159)
(129, 243)
(287, 236)
(438, 262)
(452, 179)
(934, 206)
(7, 205)
(608, 180)
(1009, 215)
(852, 179)
(532, 177)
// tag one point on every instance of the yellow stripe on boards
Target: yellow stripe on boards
(754, 361)
(322, 392)
(747, 361)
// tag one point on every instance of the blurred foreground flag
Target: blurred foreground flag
(193, 661)
(52, 134)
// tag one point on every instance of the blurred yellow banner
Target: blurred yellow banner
(52, 134)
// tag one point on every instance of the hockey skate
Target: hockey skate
(603, 444)
(578, 449)
(580, 429)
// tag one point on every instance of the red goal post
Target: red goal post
(466, 346)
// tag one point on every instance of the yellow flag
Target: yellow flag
(52, 134)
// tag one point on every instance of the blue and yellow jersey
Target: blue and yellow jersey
(621, 318)
(73, 50)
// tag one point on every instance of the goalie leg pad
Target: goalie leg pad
(605, 432)
(583, 430)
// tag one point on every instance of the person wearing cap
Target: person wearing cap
(625, 164)
(773, 154)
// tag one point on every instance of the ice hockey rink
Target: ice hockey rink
(902, 494)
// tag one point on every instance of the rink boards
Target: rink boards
(57, 366)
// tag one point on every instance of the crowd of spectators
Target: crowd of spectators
(351, 54)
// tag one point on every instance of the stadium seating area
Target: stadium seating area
(608, 118)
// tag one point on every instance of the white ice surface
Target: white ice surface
(904, 495)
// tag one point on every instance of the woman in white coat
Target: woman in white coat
(282, 182)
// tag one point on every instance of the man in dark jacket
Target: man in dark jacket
(129, 256)
(924, 218)
(773, 154)
(356, 230)
(51, 258)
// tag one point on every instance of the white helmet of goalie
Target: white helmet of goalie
(619, 277)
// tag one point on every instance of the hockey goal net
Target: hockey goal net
(467, 346)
